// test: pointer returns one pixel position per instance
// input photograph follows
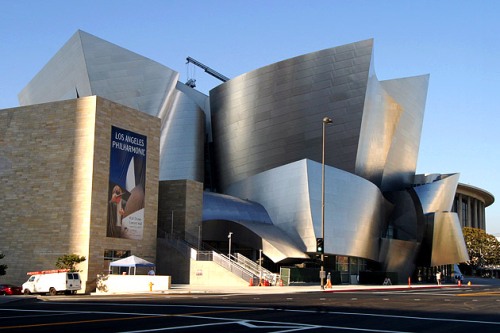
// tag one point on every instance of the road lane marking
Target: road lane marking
(400, 317)
(228, 309)
(482, 293)
(136, 316)
(285, 326)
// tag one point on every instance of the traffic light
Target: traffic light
(319, 245)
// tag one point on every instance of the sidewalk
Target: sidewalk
(188, 289)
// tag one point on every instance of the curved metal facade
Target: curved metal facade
(272, 116)
(291, 194)
(182, 141)
(390, 132)
(250, 224)
(224, 207)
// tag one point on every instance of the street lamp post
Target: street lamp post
(260, 265)
(229, 236)
(326, 120)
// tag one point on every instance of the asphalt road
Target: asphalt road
(446, 309)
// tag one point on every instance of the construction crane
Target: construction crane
(191, 82)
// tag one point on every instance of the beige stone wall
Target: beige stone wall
(54, 167)
(182, 200)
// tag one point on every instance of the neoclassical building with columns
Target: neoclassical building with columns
(470, 205)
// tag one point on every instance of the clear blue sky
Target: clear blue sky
(456, 42)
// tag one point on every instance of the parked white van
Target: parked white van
(52, 282)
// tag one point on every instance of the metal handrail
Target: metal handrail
(238, 264)
(255, 268)
(179, 244)
(224, 262)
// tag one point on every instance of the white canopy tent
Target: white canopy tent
(131, 262)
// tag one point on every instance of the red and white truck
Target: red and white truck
(52, 282)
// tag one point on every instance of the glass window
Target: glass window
(116, 254)
(342, 264)
(112, 255)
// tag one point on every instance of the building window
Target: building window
(116, 254)
(342, 264)
(112, 255)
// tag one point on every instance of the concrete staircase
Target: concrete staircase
(211, 267)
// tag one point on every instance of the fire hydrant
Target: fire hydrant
(151, 286)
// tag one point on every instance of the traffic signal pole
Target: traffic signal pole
(326, 120)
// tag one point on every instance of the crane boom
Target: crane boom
(208, 69)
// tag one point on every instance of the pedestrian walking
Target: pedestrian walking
(438, 278)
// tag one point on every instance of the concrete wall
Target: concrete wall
(113, 284)
(208, 273)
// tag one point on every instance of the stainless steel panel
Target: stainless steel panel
(224, 207)
(448, 244)
(292, 196)
(272, 116)
(398, 256)
(390, 132)
(410, 94)
(182, 140)
(237, 213)
(437, 192)
(87, 65)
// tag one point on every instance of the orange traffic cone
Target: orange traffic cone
(459, 283)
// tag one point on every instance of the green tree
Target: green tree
(3, 268)
(69, 261)
(483, 248)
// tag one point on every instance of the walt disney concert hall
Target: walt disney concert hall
(311, 147)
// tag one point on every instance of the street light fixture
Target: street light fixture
(229, 236)
(326, 121)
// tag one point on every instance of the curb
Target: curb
(398, 288)
(17, 300)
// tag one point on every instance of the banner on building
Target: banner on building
(127, 179)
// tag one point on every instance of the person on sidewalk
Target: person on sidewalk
(329, 280)
(438, 278)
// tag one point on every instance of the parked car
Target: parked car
(10, 289)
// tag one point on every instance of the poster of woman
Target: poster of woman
(127, 174)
